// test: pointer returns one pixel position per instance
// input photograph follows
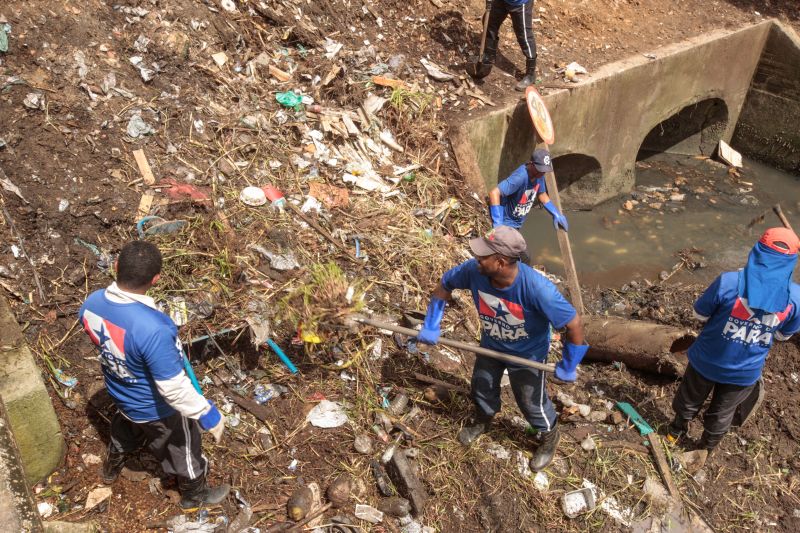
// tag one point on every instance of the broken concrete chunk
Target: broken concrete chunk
(693, 461)
(407, 482)
(97, 496)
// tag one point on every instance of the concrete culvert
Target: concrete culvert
(578, 177)
(694, 130)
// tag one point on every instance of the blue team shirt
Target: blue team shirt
(519, 195)
(734, 343)
(138, 345)
(515, 320)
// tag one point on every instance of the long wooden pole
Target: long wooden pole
(486, 352)
(566, 250)
(785, 221)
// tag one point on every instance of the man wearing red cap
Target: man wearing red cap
(743, 312)
(516, 306)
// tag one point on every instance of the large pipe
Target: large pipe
(640, 345)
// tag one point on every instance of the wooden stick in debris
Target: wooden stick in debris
(657, 447)
(15, 233)
(462, 346)
(255, 409)
(284, 527)
(144, 167)
(621, 444)
(319, 229)
(433, 381)
(785, 221)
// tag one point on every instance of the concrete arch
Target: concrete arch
(578, 177)
(691, 129)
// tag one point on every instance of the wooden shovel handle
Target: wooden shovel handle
(785, 221)
(486, 352)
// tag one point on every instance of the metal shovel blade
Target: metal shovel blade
(477, 69)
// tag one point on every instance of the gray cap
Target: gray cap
(541, 160)
(503, 240)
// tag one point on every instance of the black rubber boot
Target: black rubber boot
(709, 442)
(530, 75)
(477, 427)
(676, 430)
(546, 451)
(112, 466)
(195, 493)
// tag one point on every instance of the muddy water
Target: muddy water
(612, 245)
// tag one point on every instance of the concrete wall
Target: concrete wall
(609, 116)
(33, 419)
(769, 125)
(17, 511)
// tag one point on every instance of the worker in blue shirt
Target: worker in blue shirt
(516, 306)
(142, 362)
(520, 12)
(743, 312)
(512, 199)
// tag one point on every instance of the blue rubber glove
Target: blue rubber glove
(558, 218)
(498, 214)
(211, 418)
(433, 318)
(570, 357)
(213, 422)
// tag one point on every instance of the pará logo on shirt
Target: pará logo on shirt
(744, 327)
(501, 319)
(110, 340)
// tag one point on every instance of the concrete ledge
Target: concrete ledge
(17, 512)
(30, 412)
(70, 527)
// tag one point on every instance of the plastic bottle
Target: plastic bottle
(398, 404)
(382, 435)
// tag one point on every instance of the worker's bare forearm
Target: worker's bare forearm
(575, 331)
(494, 196)
(441, 293)
(544, 198)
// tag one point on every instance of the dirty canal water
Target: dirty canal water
(679, 203)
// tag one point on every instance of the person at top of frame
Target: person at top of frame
(520, 12)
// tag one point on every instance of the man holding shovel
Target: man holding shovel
(516, 306)
(142, 362)
(521, 19)
(743, 312)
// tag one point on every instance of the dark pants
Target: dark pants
(691, 395)
(527, 385)
(520, 19)
(174, 441)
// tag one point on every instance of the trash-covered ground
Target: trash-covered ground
(114, 111)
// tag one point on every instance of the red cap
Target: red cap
(781, 240)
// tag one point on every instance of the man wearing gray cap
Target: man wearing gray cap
(512, 199)
(516, 306)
